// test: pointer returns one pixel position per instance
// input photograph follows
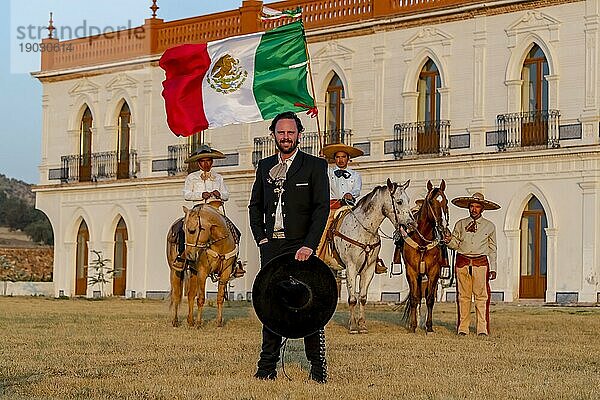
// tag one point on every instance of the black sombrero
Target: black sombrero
(294, 298)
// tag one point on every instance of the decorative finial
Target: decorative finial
(154, 8)
(51, 28)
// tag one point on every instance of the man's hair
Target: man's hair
(287, 115)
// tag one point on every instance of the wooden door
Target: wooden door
(123, 143)
(428, 110)
(534, 129)
(81, 260)
(85, 147)
(533, 251)
(120, 259)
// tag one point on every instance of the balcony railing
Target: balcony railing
(425, 137)
(309, 143)
(532, 128)
(99, 166)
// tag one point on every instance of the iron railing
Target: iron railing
(99, 166)
(177, 155)
(264, 146)
(424, 137)
(531, 128)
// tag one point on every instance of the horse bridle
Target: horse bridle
(435, 220)
(204, 245)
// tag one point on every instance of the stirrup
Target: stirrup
(239, 271)
(380, 267)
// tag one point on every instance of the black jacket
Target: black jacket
(305, 200)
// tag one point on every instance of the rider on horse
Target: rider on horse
(206, 187)
(345, 185)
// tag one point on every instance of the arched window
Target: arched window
(85, 146)
(533, 250)
(123, 142)
(120, 259)
(535, 86)
(534, 98)
(428, 109)
(429, 99)
(334, 115)
(81, 260)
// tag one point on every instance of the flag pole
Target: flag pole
(312, 86)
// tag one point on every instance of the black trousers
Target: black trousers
(314, 345)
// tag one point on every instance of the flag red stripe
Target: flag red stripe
(185, 67)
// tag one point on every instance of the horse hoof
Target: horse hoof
(175, 324)
(363, 330)
(353, 331)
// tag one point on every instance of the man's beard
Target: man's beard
(288, 151)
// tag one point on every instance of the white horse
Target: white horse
(357, 242)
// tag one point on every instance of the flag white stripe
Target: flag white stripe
(237, 104)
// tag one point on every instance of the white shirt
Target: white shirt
(198, 182)
(279, 210)
(338, 187)
(482, 242)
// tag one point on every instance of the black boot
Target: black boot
(314, 346)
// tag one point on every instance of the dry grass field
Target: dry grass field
(125, 349)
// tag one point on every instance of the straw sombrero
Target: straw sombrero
(204, 151)
(330, 150)
(294, 298)
(463, 202)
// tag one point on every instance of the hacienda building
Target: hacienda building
(500, 97)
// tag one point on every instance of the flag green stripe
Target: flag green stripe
(277, 86)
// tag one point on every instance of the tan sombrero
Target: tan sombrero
(463, 202)
(330, 150)
(204, 151)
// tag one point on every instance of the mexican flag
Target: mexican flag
(236, 80)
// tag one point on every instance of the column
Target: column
(590, 237)
(552, 264)
(512, 272)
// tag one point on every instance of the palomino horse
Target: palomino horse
(210, 250)
(357, 243)
(423, 255)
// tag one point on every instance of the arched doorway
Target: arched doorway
(81, 260)
(123, 142)
(85, 146)
(534, 98)
(428, 108)
(532, 283)
(334, 115)
(120, 259)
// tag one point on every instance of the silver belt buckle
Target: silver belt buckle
(278, 235)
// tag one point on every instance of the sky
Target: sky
(21, 94)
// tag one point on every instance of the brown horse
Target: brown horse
(210, 250)
(423, 255)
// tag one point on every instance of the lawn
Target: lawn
(126, 349)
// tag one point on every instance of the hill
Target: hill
(18, 213)
(17, 189)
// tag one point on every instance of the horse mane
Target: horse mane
(366, 202)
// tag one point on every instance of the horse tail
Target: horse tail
(406, 313)
(409, 300)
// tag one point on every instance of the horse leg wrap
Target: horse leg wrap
(315, 352)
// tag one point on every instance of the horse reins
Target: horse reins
(206, 247)
(366, 247)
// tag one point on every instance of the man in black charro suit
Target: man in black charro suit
(288, 212)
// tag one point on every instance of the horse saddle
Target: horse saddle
(331, 252)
